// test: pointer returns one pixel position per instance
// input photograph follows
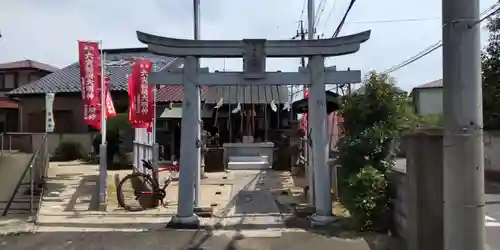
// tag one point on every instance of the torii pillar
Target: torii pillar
(254, 52)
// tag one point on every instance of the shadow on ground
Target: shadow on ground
(174, 240)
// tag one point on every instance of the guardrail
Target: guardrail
(37, 170)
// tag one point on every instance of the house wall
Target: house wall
(14, 78)
(429, 101)
(68, 112)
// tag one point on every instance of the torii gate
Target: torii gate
(254, 53)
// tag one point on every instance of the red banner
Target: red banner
(132, 110)
(90, 75)
(141, 94)
(143, 90)
(110, 107)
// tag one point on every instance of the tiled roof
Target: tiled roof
(247, 94)
(28, 64)
(433, 84)
(67, 80)
(232, 94)
(175, 93)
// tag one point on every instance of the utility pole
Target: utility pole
(310, 169)
(302, 37)
(463, 147)
(199, 172)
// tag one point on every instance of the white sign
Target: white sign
(49, 114)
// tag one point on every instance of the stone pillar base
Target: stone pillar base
(191, 222)
(317, 220)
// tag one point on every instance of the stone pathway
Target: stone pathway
(246, 203)
(70, 189)
(243, 203)
(15, 225)
(252, 210)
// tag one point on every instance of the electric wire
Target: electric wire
(337, 31)
(490, 11)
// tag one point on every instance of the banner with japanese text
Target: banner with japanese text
(144, 92)
(90, 75)
(141, 95)
(132, 111)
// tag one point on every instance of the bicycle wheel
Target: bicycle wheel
(136, 192)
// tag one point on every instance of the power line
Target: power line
(396, 20)
(486, 14)
(304, 3)
(319, 10)
(330, 13)
(412, 59)
(337, 31)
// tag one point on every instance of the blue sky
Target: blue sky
(47, 30)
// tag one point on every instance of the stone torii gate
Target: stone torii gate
(254, 53)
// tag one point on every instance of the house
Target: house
(428, 98)
(68, 112)
(12, 76)
(65, 83)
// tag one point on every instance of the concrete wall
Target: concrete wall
(67, 109)
(419, 203)
(400, 179)
(430, 101)
(30, 142)
(491, 154)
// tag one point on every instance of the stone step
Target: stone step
(257, 158)
(248, 165)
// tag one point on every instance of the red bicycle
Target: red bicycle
(139, 191)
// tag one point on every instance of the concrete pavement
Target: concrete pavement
(248, 214)
(492, 218)
(180, 240)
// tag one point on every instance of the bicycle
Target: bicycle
(145, 189)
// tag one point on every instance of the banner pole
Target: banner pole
(103, 168)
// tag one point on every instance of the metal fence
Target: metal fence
(145, 148)
(32, 178)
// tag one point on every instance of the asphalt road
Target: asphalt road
(492, 218)
(182, 240)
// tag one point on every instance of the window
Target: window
(2, 81)
(10, 81)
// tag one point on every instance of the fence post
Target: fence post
(32, 191)
(156, 158)
(1, 152)
(10, 143)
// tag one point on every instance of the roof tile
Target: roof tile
(433, 84)
(28, 64)
(175, 93)
(67, 80)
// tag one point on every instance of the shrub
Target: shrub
(367, 200)
(372, 122)
(69, 150)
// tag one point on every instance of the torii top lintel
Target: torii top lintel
(236, 48)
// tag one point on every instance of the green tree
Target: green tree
(372, 121)
(490, 60)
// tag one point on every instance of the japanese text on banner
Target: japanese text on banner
(141, 94)
(90, 75)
